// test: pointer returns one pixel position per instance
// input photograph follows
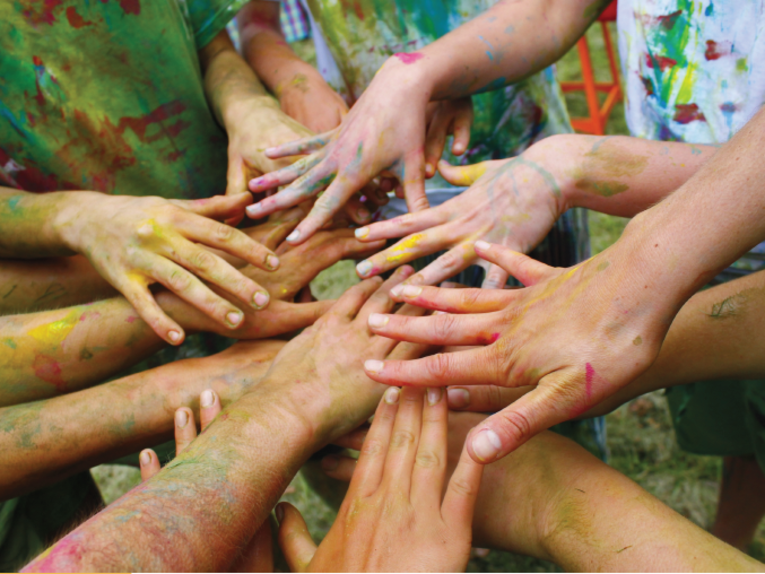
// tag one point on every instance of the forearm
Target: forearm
(507, 43)
(82, 429)
(225, 483)
(29, 286)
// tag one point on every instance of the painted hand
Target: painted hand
(384, 133)
(576, 335)
(310, 101)
(513, 202)
(395, 517)
(445, 118)
(134, 242)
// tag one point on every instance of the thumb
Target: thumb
(462, 175)
(294, 539)
(236, 178)
(525, 269)
(483, 398)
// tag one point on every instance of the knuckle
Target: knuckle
(179, 281)
(443, 327)
(427, 459)
(402, 439)
(515, 425)
(373, 448)
(439, 365)
(462, 488)
(450, 261)
(223, 232)
(203, 261)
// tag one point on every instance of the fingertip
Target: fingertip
(145, 457)
(482, 245)
(175, 337)
(484, 446)
(458, 398)
(207, 399)
(255, 210)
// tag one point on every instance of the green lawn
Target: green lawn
(640, 437)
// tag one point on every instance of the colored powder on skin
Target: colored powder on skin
(469, 174)
(402, 248)
(53, 334)
(589, 375)
(408, 58)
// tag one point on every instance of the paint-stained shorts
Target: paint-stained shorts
(723, 417)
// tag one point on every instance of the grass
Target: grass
(640, 436)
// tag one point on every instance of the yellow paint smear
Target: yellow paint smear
(53, 334)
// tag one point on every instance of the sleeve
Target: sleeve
(209, 17)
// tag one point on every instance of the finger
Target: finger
(406, 250)
(285, 175)
(385, 347)
(402, 225)
(484, 398)
(525, 269)
(185, 429)
(455, 300)
(215, 270)
(236, 179)
(142, 300)
(294, 316)
(413, 180)
(381, 301)
(435, 141)
(505, 431)
(369, 469)
(375, 195)
(496, 278)
(462, 493)
(354, 440)
(430, 462)
(472, 367)
(354, 298)
(462, 175)
(301, 146)
(298, 191)
(294, 539)
(219, 206)
(447, 265)
(339, 467)
(336, 195)
(441, 329)
(209, 407)
(230, 240)
(404, 440)
(463, 121)
(149, 463)
(358, 211)
(258, 553)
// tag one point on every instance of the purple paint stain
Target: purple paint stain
(589, 375)
(408, 58)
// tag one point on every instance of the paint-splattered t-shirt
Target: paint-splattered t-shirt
(107, 95)
(694, 70)
(361, 35)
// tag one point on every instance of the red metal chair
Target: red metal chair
(596, 122)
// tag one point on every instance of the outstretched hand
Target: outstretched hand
(395, 516)
(576, 335)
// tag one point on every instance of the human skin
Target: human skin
(385, 130)
(715, 335)
(516, 202)
(553, 500)
(394, 517)
(55, 352)
(578, 335)
(221, 484)
(46, 441)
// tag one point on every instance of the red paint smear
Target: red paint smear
(131, 6)
(662, 62)
(589, 375)
(49, 370)
(647, 85)
(668, 21)
(409, 58)
(44, 15)
(75, 20)
(687, 113)
(488, 340)
(716, 50)
(131, 319)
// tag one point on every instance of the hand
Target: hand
(383, 133)
(513, 202)
(394, 517)
(445, 118)
(577, 335)
(320, 372)
(309, 100)
(136, 241)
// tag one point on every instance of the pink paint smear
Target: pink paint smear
(409, 58)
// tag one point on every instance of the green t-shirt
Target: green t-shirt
(107, 95)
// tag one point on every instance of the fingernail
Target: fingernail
(391, 395)
(396, 291)
(279, 513)
(330, 462)
(458, 398)
(207, 399)
(364, 268)
(373, 366)
(254, 209)
(376, 320)
(145, 458)
(234, 318)
(361, 232)
(260, 299)
(434, 395)
(411, 291)
(429, 168)
(458, 149)
(272, 261)
(482, 245)
(174, 336)
(486, 445)
(181, 418)
(294, 236)
(447, 285)
(363, 213)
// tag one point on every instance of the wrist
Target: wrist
(409, 72)
(559, 155)
(232, 110)
(71, 211)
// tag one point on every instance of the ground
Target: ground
(640, 437)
